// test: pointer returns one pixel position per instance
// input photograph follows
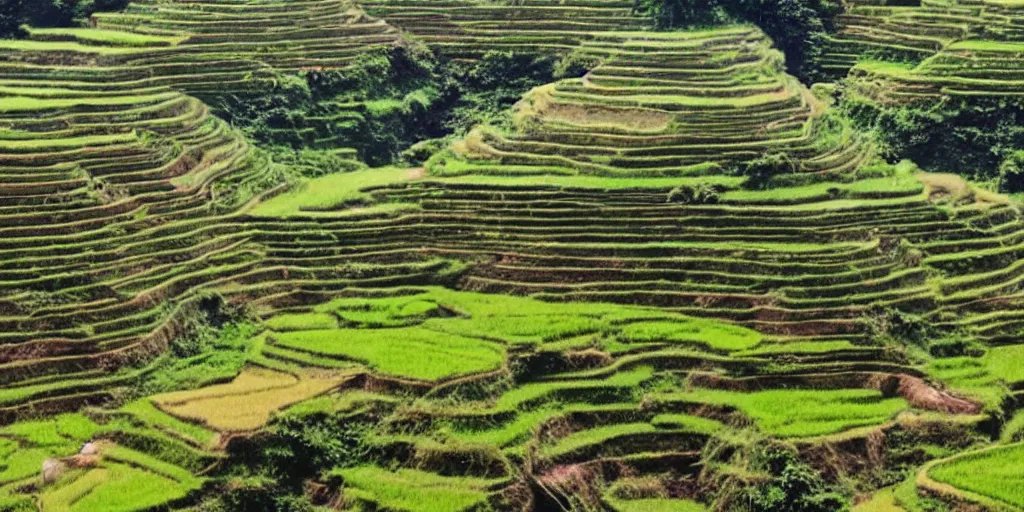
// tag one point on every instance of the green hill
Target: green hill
(608, 265)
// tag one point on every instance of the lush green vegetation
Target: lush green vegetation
(975, 137)
(49, 13)
(810, 412)
(413, 490)
(798, 27)
(993, 473)
(402, 336)
(411, 352)
(526, 255)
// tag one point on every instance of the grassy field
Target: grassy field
(331, 192)
(994, 473)
(412, 352)
(99, 36)
(404, 336)
(810, 413)
(413, 490)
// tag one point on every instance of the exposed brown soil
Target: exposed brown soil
(922, 395)
(417, 173)
(913, 389)
(570, 482)
(633, 119)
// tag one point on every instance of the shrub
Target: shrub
(49, 13)
(423, 150)
(85, 8)
(694, 194)
(575, 65)
(761, 171)
(908, 132)
(294, 504)
(676, 13)
(383, 103)
(212, 346)
(313, 163)
(794, 486)
(379, 73)
(10, 17)
(387, 100)
(897, 327)
(790, 485)
(300, 445)
(507, 69)
(487, 88)
(955, 347)
(974, 137)
(1011, 173)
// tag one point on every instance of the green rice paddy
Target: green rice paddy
(591, 299)
(993, 473)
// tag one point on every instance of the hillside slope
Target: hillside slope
(682, 280)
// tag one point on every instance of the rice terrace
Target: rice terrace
(511, 255)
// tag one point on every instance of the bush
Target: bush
(487, 88)
(761, 171)
(575, 65)
(10, 17)
(380, 73)
(909, 132)
(395, 90)
(420, 152)
(212, 345)
(892, 326)
(976, 137)
(790, 485)
(676, 13)
(1011, 173)
(508, 70)
(955, 347)
(694, 194)
(302, 445)
(312, 163)
(795, 486)
(87, 7)
(50, 13)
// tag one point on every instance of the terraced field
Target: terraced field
(671, 105)
(465, 29)
(233, 40)
(833, 251)
(612, 304)
(909, 55)
(988, 477)
(919, 31)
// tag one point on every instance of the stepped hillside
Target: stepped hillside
(671, 276)
(918, 32)
(464, 29)
(940, 81)
(669, 105)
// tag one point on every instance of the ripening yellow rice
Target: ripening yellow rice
(249, 401)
